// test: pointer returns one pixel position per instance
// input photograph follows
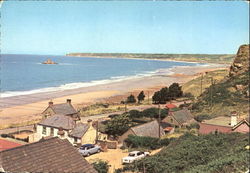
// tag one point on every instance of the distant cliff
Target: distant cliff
(211, 58)
(241, 61)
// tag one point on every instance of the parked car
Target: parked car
(88, 149)
(134, 155)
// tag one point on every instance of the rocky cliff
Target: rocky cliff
(241, 61)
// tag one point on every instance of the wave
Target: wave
(77, 85)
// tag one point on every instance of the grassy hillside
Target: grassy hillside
(211, 58)
(226, 96)
(224, 153)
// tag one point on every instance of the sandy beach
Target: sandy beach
(19, 109)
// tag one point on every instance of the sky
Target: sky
(60, 27)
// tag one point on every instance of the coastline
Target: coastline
(28, 107)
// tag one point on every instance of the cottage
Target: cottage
(170, 106)
(63, 109)
(179, 118)
(224, 124)
(151, 129)
(65, 127)
(51, 155)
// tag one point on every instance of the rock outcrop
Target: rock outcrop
(241, 61)
(49, 61)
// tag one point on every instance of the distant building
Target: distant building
(51, 155)
(179, 118)
(150, 129)
(63, 109)
(170, 106)
(224, 124)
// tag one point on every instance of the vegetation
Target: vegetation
(207, 153)
(166, 94)
(131, 99)
(140, 97)
(145, 142)
(101, 166)
(212, 58)
(118, 125)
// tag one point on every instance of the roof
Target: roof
(51, 155)
(210, 128)
(170, 106)
(241, 122)
(63, 108)
(220, 121)
(5, 144)
(59, 121)
(150, 129)
(79, 130)
(182, 116)
(168, 129)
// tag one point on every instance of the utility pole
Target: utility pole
(159, 120)
(201, 81)
(96, 138)
(125, 103)
(211, 93)
(148, 97)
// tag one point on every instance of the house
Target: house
(51, 155)
(6, 144)
(150, 129)
(224, 124)
(65, 127)
(63, 109)
(179, 118)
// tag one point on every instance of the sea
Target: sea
(25, 74)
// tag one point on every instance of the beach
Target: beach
(27, 108)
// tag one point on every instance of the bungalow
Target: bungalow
(65, 127)
(51, 155)
(63, 109)
(224, 124)
(151, 129)
(179, 118)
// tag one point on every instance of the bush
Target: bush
(193, 126)
(4, 135)
(131, 99)
(134, 114)
(101, 166)
(154, 112)
(145, 142)
(202, 117)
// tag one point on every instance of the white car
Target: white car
(134, 155)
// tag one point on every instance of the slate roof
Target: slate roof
(51, 155)
(59, 121)
(182, 116)
(64, 108)
(79, 130)
(150, 129)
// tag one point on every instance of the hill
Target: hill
(229, 94)
(208, 58)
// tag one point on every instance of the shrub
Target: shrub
(101, 166)
(202, 117)
(145, 142)
(134, 114)
(4, 135)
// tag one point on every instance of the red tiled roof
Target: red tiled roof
(170, 106)
(168, 129)
(5, 144)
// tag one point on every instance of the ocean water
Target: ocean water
(25, 74)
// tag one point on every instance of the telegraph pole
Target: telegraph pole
(211, 93)
(201, 81)
(159, 120)
(148, 97)
(97, 124)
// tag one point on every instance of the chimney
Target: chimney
(233, 118)
(90, 122)
(68, 101)
(50, 103)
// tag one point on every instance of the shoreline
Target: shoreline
(25, 108)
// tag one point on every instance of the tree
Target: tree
(118, 125)
(131, 99)
(175, 90)
(141, 97)
(162, 96)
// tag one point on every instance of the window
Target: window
(171, 120)
(75, 140)
(44, 130)
(52, 131)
